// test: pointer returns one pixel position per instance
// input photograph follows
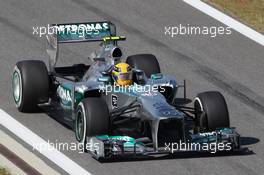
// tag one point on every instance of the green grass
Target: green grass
(251, 12)
(4, 171)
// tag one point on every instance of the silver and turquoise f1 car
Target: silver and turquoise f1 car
(145, 118)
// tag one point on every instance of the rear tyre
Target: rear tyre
(146, 62)
(211, 111)
(30, 85)
(92, 118)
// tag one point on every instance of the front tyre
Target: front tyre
(92, 118)
(30, 85)
(211, 111)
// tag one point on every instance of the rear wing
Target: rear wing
(75, 33)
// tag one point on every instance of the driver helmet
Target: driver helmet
(122, 74)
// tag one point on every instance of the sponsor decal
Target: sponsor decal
(150, 94)
(77, 28)
(166, 110)
(81, 88)
(65, 95)
(207, 134)
(114, 101)
(122, 138)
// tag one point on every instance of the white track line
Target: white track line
(32, 139)
(239, 27)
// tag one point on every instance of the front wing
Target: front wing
(105, 147)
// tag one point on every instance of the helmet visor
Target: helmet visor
(125, 76)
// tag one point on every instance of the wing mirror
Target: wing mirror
(156, 76)
(104, 79)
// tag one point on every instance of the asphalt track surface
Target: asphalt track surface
(231, 64)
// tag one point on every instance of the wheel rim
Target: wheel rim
(79, 126)
(16, 87)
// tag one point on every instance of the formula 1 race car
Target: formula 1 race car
(121, 107)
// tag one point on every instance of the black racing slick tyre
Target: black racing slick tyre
(146, 62)
(92, 118)
(30, 85)
(211, 111)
